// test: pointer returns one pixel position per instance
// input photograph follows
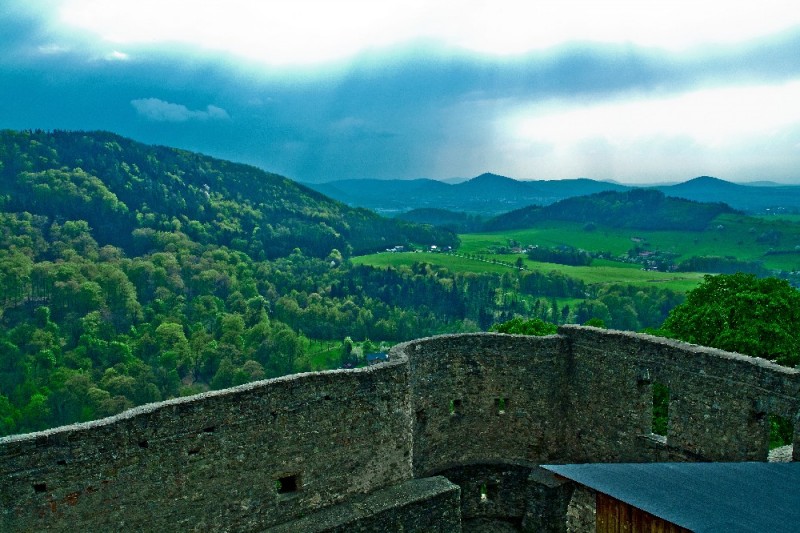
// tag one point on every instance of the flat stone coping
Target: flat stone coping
(356, 509)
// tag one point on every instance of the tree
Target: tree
(36, 415)
(741, 313)
(225, 374)
(532, 326)
(8, 416)
(170, 336)
(347, 357)
(595, 323)
(367, 347)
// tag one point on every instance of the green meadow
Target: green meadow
(773, 241)
(601, 271)
(456, 263)
(743, 237)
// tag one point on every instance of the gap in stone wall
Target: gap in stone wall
(781, 438)
(501, 405)
(661, 397)
(490, 490)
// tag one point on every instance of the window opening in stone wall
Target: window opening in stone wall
(455, 407)
(501, 405)
(489, 490)
(40, 487)
(287, 484)
(660, 409)
(781, 438)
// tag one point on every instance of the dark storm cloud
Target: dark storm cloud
(431, 100)
(380, 114)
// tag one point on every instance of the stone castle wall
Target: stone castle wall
(487, 398)
(214, 462)
(719, 405)
(366, 449)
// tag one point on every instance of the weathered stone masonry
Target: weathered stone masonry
(451, 429)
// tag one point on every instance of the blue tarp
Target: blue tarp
(377, 357)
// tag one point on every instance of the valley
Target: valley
(372, 266)
(133, 273)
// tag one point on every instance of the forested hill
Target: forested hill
(131, 274)
(644, 209)
(126, 191)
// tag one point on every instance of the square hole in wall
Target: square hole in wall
(288, 484)
(456, 407)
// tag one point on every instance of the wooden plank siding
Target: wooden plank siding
(615, 516)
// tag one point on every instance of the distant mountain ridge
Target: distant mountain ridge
(751, 198)
(487, 194)
(490, 194)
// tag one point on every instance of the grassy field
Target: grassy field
(327, 354)
(788, 217)
(730, 235)
(600, 271)
(324, 354)
(745, 238)
(451, 262)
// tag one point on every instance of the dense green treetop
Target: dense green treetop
(532, 326)
(741, 313)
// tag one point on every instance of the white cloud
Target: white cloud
(117, 56)
(311, 31)
(710, 116)
(161, 111)
(52, 49)
(213, 111)
(738, 133)
(516, 27)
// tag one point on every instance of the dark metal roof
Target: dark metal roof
(703, 497)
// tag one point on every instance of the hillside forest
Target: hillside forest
(131, 274)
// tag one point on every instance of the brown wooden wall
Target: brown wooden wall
(614, 516)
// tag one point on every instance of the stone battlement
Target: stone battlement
(450, 429)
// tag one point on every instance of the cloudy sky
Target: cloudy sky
(318, 90)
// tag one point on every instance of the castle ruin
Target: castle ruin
(449, 432)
